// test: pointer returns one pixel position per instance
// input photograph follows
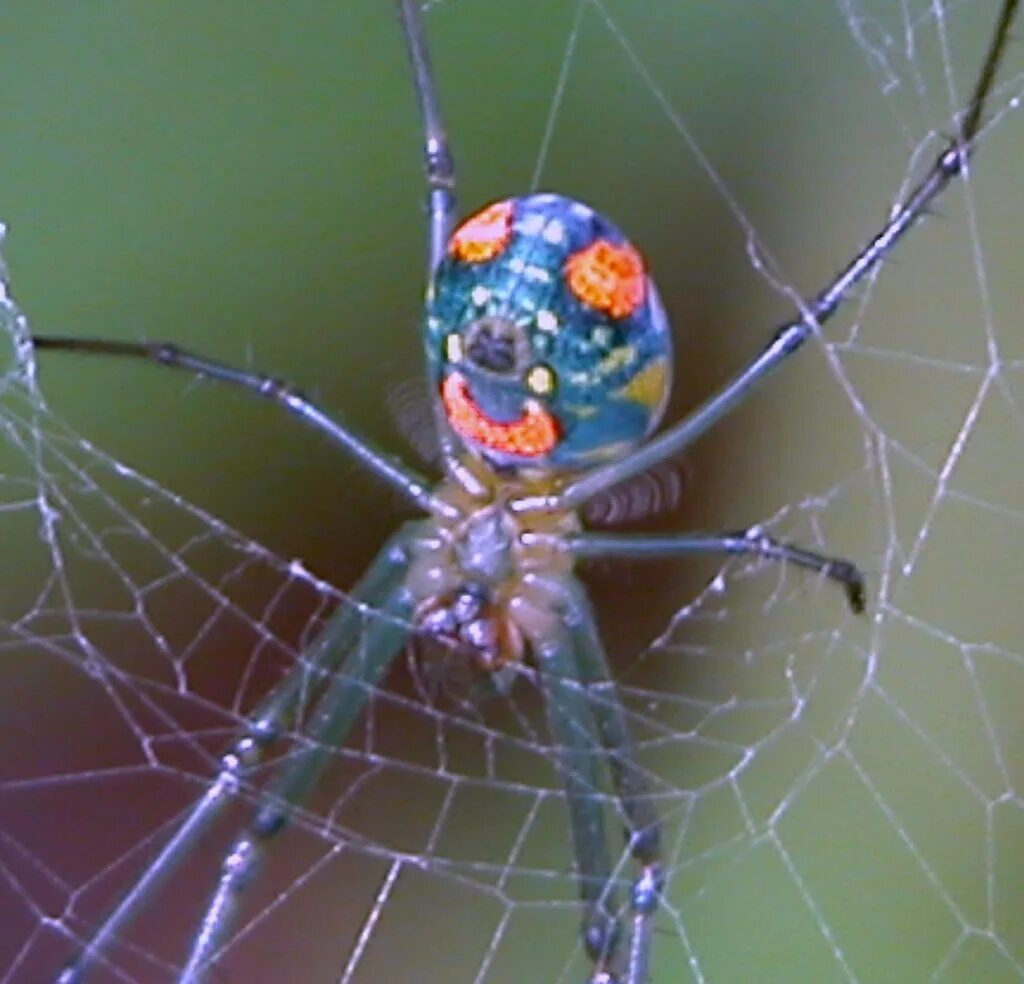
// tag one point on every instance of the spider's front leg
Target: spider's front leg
(813, 312)
(589, 726)
(438, 164)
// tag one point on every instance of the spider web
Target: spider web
(841, 795)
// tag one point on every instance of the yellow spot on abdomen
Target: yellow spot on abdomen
(649, 387)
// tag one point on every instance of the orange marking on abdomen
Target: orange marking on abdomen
(608, 277)
(483, 236)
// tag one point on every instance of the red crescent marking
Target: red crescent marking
(534, 434)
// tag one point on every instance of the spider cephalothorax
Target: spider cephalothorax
(471, 575)
(546, 339)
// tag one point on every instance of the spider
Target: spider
(549, 357)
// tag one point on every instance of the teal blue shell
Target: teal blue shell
(611, 370)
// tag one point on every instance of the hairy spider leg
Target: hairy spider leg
(264, 724)
(951, 163)
(749, 542)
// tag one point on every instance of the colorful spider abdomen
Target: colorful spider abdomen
(546, 340)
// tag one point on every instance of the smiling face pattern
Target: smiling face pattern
(546, 341)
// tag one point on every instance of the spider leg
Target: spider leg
(438, 163)
(843, 572)
(279, 392)
(439, 170)
(589, 722)
(578, 745)
(263, 727)
(951, 163)
(631, 783)
(332, 719)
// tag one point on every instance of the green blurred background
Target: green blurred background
(244, 178)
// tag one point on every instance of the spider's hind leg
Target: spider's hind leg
(365, 664)
(577, 750)
(262, 728)
(632, 784)
(588, 724)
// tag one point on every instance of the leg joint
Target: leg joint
(601, 935)
(647, 890)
